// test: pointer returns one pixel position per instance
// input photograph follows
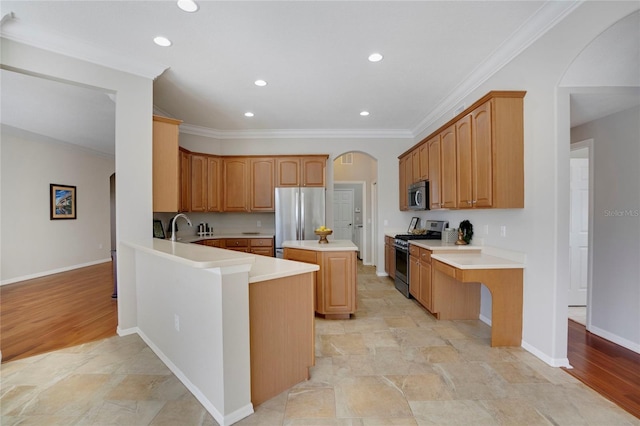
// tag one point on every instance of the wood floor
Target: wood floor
(76, 307)
(609, 369)
(57, 311)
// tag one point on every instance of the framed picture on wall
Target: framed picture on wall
(62, 201)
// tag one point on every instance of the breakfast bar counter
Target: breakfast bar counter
(236, 328)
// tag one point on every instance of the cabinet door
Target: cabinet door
(423, 152)
(262, 184)
(448, 167)
(482, 156)
(185, 181)
(288, 172)
(425, 285)
(414, 277)
(434, 173)
(236, 185)
(338, 283)
(415, 165)
(214, 184)
(166, 165)
(313, 171)
(199, 183)
(403, 184)
(464, 163)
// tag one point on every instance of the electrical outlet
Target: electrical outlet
(259, 224)
(386, 222)
(503, 231)
(176, 322)
(99, 246)
(486, 230)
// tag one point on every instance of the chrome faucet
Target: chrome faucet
(173, 224)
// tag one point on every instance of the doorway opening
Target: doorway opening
(580, 205)
(354, 175)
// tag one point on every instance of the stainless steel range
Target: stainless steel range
(401, 242)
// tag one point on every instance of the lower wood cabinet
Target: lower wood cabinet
(389, 257)
(260, 246)
(420, 277)
(335, 281)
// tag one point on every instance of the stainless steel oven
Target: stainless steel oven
(402, 266)
(434, 230)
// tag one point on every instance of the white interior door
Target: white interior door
(579, 233)
(343, 214)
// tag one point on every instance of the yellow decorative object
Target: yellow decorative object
(323, 235)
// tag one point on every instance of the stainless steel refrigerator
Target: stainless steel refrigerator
(299, 211)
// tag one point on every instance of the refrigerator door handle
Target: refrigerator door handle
(302, 222)
(297, 215)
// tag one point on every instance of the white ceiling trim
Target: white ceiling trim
(14, 29)
(296, 134)
(542, 21)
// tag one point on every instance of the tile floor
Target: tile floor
(393, 364)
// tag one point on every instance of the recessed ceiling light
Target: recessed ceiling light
(260, 83)
(364, 113)
(162, 41)
(375, 57)
(248, 114)
(188, 5)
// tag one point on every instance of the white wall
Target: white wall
(134, 96)
(32, 244)
(615, 293)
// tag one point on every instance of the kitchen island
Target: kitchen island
(336, 283)
(235, 328)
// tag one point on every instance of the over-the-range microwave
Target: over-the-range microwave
(418, 196)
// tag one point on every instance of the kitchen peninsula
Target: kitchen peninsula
(446, 278)
(336, 286)
(217, 319)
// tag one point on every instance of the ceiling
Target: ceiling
(313, 55)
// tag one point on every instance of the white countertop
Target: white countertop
(197, 256)
(333, 245)
(217, 236)
(436, 245)
(472, 260)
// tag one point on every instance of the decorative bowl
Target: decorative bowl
(323, 236)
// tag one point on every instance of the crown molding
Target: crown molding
(14, 29)
(547, 16)
(296, 133)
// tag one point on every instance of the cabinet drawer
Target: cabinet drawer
(262, 242)
(236, 242)
(425, 255)
(444, 268)
(307, 256)
(414, 250)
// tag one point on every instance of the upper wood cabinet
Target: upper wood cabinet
(214, 184)
(479, 155)
(405, 163)
(313, 171)
(435, 196)
(199, 183)
(423, 152)
(235, 178)
(185, 181)
(301, 171)
(448, 168)
(166, 165)
(262, 191)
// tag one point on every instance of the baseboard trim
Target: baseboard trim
(485, 320)
(53, 271)
(628, 344)
(223, 420)
(553, 362)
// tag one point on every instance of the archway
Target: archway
(355, 172)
